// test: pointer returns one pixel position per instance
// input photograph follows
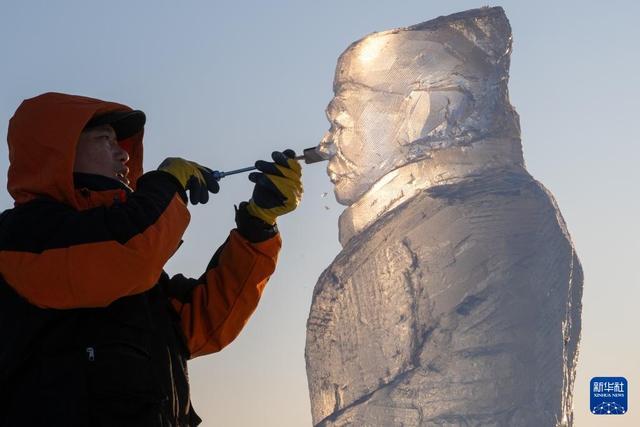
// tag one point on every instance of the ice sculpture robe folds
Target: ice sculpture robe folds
(459, 307)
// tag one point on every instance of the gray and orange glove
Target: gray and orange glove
(197, 179)
(278, 188)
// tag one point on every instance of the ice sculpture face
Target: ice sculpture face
(403, 93)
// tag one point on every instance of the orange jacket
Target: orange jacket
(67, 248)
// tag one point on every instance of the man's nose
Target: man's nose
(326, 147)
(121, 154)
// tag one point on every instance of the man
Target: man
(93, 331)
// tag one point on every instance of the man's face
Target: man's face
(98, 152)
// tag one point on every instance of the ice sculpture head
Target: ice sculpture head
(401, 94)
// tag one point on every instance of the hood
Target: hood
(42, 139)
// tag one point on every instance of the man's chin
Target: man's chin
(123, 179)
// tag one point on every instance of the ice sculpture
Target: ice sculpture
(456, 298)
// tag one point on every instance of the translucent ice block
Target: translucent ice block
(456, 298)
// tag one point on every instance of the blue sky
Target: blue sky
(225, 83)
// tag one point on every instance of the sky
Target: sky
(226, 83)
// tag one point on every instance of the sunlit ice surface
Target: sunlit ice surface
(456, 297)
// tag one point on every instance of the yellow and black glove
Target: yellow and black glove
(197, 179)
(278, 188)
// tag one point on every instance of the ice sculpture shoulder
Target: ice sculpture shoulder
(456, 297)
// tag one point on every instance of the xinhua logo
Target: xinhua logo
(609, 395)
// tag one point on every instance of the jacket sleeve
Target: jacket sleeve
(58, 257)
(214, 308)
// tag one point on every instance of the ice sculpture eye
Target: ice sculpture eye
(343, 119)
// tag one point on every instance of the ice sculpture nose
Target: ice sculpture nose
(326, 147)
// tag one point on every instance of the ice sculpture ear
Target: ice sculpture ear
(430, 117)
(416, 109)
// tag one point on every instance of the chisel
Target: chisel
(310, 155)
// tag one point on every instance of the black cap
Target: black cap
(125, 123)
